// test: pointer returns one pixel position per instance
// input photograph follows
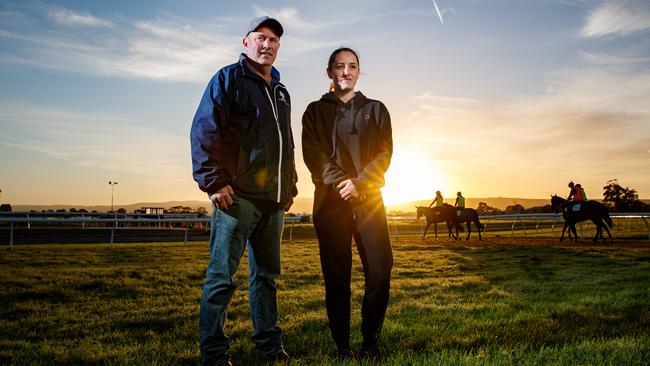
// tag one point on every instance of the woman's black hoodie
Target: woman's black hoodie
(347, 140)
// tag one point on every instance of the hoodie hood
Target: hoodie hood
(330, 97)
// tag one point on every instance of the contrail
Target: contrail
(438, 11)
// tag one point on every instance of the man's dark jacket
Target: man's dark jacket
(241, 135)
(350, 140)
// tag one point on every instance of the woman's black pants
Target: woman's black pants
(337, 222)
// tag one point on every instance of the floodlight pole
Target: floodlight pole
(112, 184)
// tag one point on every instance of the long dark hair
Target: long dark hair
(333, 56)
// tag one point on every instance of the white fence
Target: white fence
(183, 222)
(116, 222)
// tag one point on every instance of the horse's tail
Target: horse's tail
(480, 226)
(608, 220)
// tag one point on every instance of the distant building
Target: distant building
(152, 210)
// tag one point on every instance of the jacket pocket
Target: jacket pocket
(252, 170)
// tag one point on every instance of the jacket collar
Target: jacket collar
(275, 74)
(330, 97)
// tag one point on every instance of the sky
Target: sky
(505, 98)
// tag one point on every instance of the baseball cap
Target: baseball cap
(265, 21)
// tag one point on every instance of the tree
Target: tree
(539, 209)
(5, 207)
(623, 199)
(515, 209)
(202, 211)
(485, 209)
(121, 210)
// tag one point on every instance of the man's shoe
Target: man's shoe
(372, 352)
(280, 356)
(345, 355)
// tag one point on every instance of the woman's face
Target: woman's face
(344, 71)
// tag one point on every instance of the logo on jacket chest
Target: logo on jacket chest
(282, 97)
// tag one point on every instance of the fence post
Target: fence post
(187, 228)
(396, 229)
(646, 225)
(11, 236)
(112, 234)
(29, 223)
(291, 231)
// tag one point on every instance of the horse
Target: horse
(468, 216)
(451, 215)
(574, 212)
(434, 215)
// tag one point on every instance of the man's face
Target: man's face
(262, 46)
(344, 71)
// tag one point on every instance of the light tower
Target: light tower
(112, 184)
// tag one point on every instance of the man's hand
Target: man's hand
(223, 198)
(348, 190)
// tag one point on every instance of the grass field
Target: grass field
(498, 302)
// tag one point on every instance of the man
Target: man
(438, 201)
(572, 192)
(243, 158)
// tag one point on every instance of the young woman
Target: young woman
(347, 145)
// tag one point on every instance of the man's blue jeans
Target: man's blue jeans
(257, 225)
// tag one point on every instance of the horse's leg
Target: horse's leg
(435, 229)
(424, 234)
(469, 229)
(607, 229)
(478, 227)
(563, 230)
(575, 232)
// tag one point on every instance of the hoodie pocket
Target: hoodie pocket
(252, 170)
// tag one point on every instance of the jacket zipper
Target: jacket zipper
(277, 124)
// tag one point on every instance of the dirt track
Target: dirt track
(530, 242)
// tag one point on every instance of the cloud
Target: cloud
(94, 140)
(608, 59)
(591, 124)
(617, 18)
(71, 18)
(161, 49)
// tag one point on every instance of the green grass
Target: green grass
(495, 302)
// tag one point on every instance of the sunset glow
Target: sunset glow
(412, 178)
(502, 98)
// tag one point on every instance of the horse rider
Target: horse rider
(577, 193)
(580, 193)
(572, 192)
(438, 201)
(460, 200)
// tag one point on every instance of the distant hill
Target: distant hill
(496, 202)
(301, 204)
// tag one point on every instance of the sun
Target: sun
(410, 178)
